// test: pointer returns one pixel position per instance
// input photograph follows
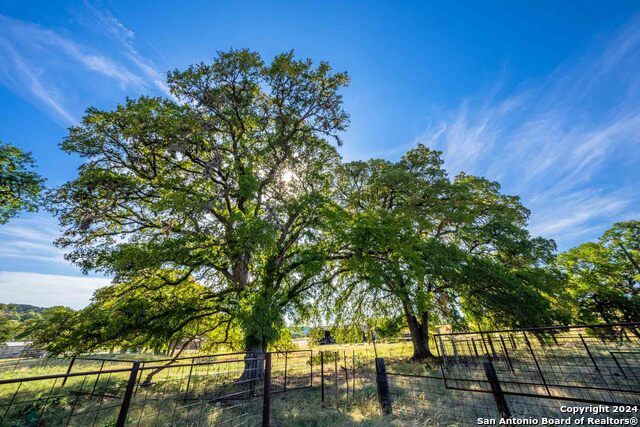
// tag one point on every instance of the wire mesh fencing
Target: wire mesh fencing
(74, 399)
(425, 400)
(229, 389)
(594, 364)
(531, 373)
(559, 374)
(22, 360)
(221, 390)
(30, 364)
(291, 370)
(344, 378)
(224, 392)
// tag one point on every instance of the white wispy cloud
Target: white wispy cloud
(31, 238)
(111, 26)
(572, 217)
(27, 79)
(47, 290)
(568, 143)
(52, 69)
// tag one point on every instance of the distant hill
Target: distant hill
(20, 312)
(14, 318)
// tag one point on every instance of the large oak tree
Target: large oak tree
(228, 185)
(439, 250)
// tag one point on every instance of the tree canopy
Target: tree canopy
(440, 250)
(604, 276)
(20, 186)
(228, 185)
(137, 315)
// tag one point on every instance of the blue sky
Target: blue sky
(541, 96)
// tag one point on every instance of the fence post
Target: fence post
(484, 344)
(444, 355)
(382, 383)
(492, 376)
(506, 354)
(311, 368)
(455, 350)
(469, 348)
(513, 342)
(346, 372)
(73, 359)
(353, 362)
(322, 378)
(128, 394)
(335, 379)
(186, 393)
(493, 349)
(266, 394)
(286, 362)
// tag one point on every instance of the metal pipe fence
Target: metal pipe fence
(77, 399)
(222, 390)
(526, 374)
(477, 375)
(594, 364)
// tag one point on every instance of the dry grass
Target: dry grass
(416, 401)
(165, 404)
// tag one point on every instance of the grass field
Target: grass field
(208, 393)
(95, 399)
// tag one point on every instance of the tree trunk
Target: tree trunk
(259, 330)
(253, 368)
(419, 329)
